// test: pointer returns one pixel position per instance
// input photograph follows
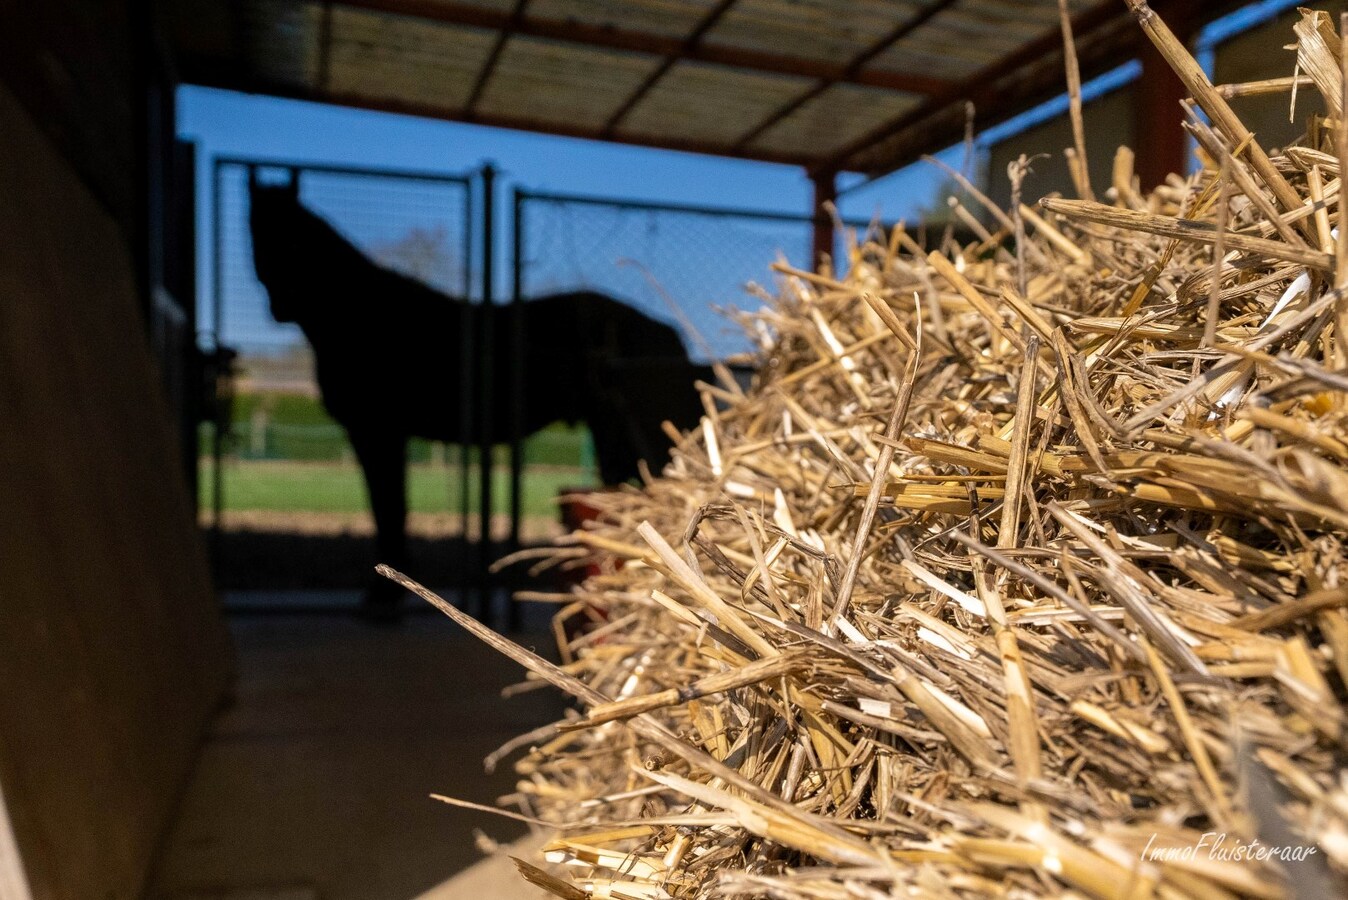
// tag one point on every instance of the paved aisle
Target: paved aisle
(313, 785)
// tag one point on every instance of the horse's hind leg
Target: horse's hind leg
(383, 459)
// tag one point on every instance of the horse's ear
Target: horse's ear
(252, 178)
(294, 185)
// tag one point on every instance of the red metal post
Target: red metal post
(1158, 133)
(825, 192)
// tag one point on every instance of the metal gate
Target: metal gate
(676, 262)
(419, 223)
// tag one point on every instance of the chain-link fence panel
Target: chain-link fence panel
(419, 225)
(683, 265)
(273, 455)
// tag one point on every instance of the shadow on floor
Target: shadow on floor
(313, 785)
(289, 557)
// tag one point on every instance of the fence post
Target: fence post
(486, 366)
(467, 579)
(825, 192)
(518, 380)
(217, 325)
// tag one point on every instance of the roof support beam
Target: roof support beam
(1157, 112)
(688, 46)
(613, 38)
(325, 46)
(825, 194)
(981, 89)
(489, 67)
(849, 71)
(1106, 36)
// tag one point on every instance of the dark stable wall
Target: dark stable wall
(113, 654)
(1263, 53)
(74, 65)
(1108, 124)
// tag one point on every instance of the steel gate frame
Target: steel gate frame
(469, 374)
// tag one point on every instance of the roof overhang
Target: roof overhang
(832, 85)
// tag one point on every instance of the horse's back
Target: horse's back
(399, 367)
(626, 374)
(391, 356)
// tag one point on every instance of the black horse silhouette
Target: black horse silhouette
(389, 349)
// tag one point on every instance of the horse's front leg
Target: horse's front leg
(383, 459)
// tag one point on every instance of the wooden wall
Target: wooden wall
(74, 64)
(1108, 124)
(1261, 53)
(112, 651)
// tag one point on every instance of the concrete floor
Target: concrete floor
(313, 785)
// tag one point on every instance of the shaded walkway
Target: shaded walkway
(313, 786)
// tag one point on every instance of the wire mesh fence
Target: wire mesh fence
(684, 265)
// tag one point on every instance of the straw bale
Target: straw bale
(1019, 570)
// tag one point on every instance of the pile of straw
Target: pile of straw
(1019, 571)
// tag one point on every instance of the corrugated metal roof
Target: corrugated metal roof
(710, 103)
(831, 84)
(540, 79)
(394, 57)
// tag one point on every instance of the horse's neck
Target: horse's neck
(336, 275)
(335, 259)
(357, 300)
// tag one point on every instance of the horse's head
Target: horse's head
(275, 219)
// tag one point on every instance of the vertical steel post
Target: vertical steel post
(467, 411)
(217, 323)
(1158, 118)
(486, 370)
(518, 382)
(825, 192)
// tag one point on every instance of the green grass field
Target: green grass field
(275, 426)
(286, 455)
(338, 487)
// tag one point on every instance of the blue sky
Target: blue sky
(228, 123)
